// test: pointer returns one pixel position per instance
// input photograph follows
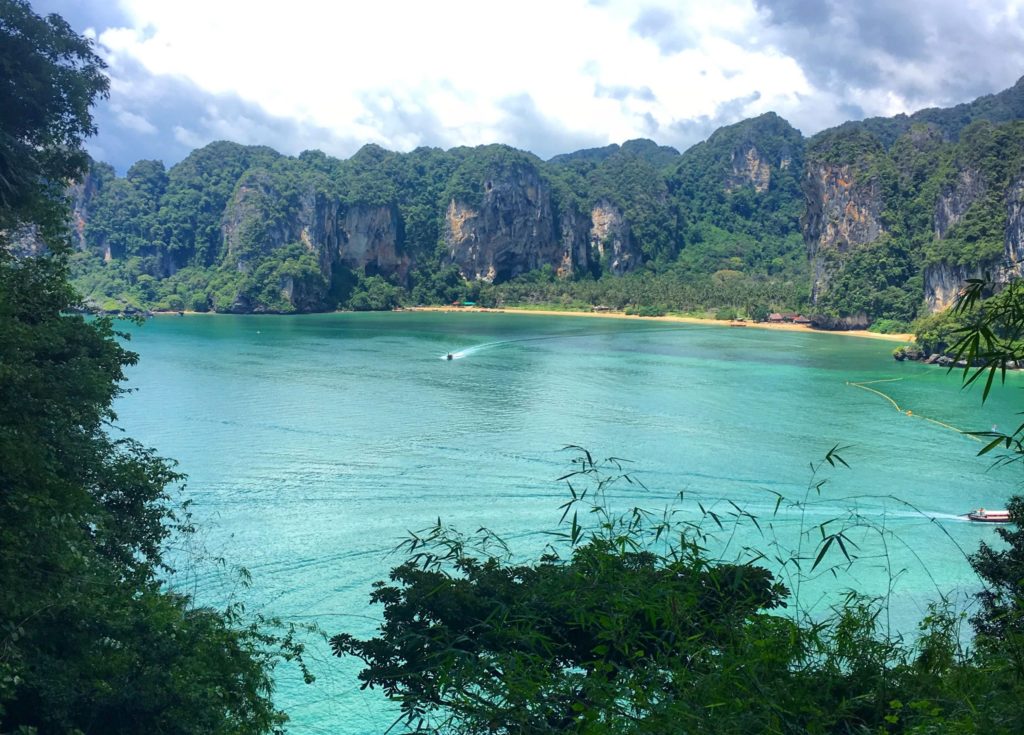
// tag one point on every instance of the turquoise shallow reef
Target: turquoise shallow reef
(314, 443)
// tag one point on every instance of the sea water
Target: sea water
(314, 444)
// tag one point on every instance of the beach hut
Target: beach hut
(775, 317)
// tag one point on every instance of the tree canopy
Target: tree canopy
(625, 623)
(91, 639)
(50, 77)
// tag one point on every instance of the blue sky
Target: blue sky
(549, 76)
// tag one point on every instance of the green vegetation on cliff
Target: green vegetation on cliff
(995, 155)
(881, 219)
(927, 201)
(223, 229)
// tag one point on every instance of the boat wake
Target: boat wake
(491, 345)
(470, 351)
(947, 516)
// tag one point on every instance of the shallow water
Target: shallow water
(314, 443)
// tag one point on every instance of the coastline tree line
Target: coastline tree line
(622, 626)
(723, 225)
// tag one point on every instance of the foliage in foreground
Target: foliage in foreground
(630, 627)
(90, 639)
(990, 339)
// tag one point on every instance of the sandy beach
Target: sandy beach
(780, 327)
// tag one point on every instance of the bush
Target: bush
(627, 627)
(889, 326)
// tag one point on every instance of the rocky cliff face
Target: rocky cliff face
(1014, 242)
(512, 231)
(361, 237)
(843, 212)
(576, 246)
(368, 241)
(250, 229)
(859, 320)
(499, 212)
(81, 195)
(944, 281)
(749, 168)
(953, 203)
(611, 241)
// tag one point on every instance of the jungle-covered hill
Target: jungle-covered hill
(881, 219)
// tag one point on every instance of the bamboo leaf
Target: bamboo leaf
(821, 554)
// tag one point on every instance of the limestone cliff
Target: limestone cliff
(81, 195)
(249, 228)
(611, 240)
(750, 168)
(843, 323)
(954, 202)
(943, 280)
(1014, 242)
(512, 231)
(361, 237)
(368, 241)
(891, 211)
(843, 211)
(576, 244)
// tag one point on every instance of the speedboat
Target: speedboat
(989, 516)
(451, 356)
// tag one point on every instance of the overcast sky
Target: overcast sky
(549, 76)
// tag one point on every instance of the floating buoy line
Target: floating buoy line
(866, 385)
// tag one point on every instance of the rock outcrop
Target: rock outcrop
(81, 195)
(611, 240)
(249, 225)
(1013, 265)
(368, 241)
(859, 320)
(513, 230)
(749, 168)
(944, 281)
(843, 212)
(576, 246)
(360, 237)
(882, 214)
(953, 203)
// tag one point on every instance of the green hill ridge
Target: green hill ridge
(881, 219)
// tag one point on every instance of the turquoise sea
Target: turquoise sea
(314, 443)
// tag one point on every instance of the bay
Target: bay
(314, 443)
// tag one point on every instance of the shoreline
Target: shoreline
(670, 318)
(780, 327)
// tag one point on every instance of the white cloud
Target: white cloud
(188, 137)
(408, 73)
(345, 67)
(135, 122)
